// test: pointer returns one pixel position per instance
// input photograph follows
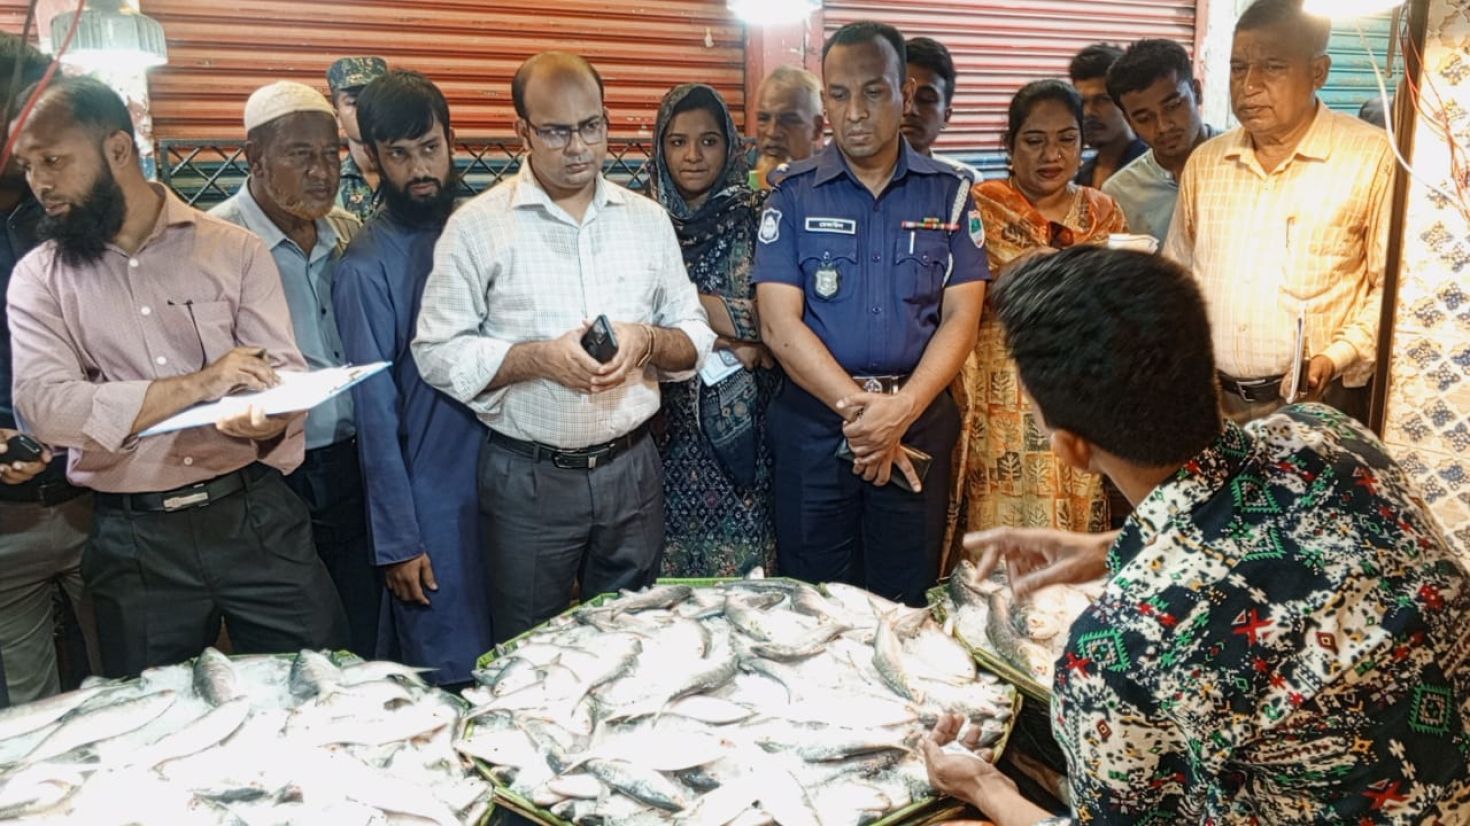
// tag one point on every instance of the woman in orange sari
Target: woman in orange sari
(1007, 474)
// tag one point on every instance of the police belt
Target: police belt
(886, 385)
(1254, 391)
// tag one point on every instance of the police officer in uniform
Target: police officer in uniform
(871, 276)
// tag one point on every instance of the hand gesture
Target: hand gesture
(241, 369)
(1037, 557)
(566, 363)
(633, 341)
(411, 579)
(953, 772)
(17, 472)
(875, 421)
(253, 424)
(1320, 373)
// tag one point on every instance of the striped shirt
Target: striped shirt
(88, 341)
(1308, 238)
(514, 267)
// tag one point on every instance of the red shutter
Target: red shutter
(222, 50)
(999, 45)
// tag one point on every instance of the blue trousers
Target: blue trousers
(831, 526)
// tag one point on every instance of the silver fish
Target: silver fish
(101, 724)
(807, 645)
(640, 784)
(660, 596)
(375, 670)
(214, 678)
(24, 719)
(209, 730)
(888, 659)
(313, 674)
(1012, 642)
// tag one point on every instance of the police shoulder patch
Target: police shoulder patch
(770, 226)
(977, 228)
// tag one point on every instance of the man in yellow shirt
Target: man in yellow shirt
(1284, 221)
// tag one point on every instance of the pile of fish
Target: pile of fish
(754, 701)
(1030, 635)
(249, 741)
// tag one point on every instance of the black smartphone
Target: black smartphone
(918, 458)
(22, 448)
(599, 341)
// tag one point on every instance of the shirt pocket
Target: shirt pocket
(215, 323)
(920, 259)
(1320, 256)
(821, 254)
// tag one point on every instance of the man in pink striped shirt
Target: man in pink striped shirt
(135, 308)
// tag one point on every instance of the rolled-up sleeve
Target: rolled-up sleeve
(679, 307)
(52, 394)
(453, 354)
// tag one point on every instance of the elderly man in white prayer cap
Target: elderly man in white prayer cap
(289, 201)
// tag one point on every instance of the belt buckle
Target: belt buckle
(872, 385)
(185, 501)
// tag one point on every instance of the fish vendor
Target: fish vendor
(422, 506)
(135, 308)
(1283, 635)
(871, 275)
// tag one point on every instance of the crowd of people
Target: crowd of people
(807, 374)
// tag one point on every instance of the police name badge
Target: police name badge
(828, 279)
(770, 226)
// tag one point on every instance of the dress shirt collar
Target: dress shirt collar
(1315, 145)
(528, 193)
(832, 164)
(1177, 499)
(259, 223)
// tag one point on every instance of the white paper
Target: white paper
(1294, 389)
(720, 365)
(296, 392)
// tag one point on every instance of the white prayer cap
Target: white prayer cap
(284, 97)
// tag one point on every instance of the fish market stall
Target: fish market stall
(278, 739)
(718, 702)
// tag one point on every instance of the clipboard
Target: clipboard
(297, 391)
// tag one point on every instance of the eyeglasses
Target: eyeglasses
(593, 130)
(203, 353)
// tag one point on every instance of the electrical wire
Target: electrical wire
(25, 113)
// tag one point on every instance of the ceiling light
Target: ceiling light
(111, 37)
(1349, 8)
(773, 12)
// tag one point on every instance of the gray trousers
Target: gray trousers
(41, 550)
(162, 582)
(547, 529)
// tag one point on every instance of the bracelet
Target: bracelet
(648, 352)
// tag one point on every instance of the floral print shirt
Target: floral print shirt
(1285, 638)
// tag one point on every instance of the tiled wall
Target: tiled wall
(1428, 424)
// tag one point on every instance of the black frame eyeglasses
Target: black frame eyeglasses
(592, 131)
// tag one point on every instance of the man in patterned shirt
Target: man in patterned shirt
(1283, 637)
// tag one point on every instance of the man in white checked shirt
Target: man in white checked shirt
(571, 488)
(1287, 217)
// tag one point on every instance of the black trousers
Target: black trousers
(831, 526)
(547, 529)
(329, 481)
(161, 582)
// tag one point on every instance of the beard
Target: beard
(82, 233)
(432, 210)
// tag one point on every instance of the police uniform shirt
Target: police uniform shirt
(873, 271)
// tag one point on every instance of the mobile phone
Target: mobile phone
(918, 458)
(22, 448)
(599, 341)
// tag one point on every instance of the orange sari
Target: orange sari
(1005, 471)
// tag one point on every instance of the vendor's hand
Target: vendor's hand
(879, 469)
(1037, 557)
(632, 344)
(15, 473)
(973, 778)
(253, 424)
(411, 579)
(563, 361)
(241, 369)
(1320, 373)
(876, 421)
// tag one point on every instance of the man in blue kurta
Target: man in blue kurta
(420, 445)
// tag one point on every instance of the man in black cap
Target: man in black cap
(358, 191)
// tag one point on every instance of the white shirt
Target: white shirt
(513, 267)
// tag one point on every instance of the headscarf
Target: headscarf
(718, 243)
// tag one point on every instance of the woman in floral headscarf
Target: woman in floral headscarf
(1007, 473)
(717, 473)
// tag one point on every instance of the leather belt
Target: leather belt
(48, 493)
(189, 497)
(586, 458)
(1253, 390)
(887, 385)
